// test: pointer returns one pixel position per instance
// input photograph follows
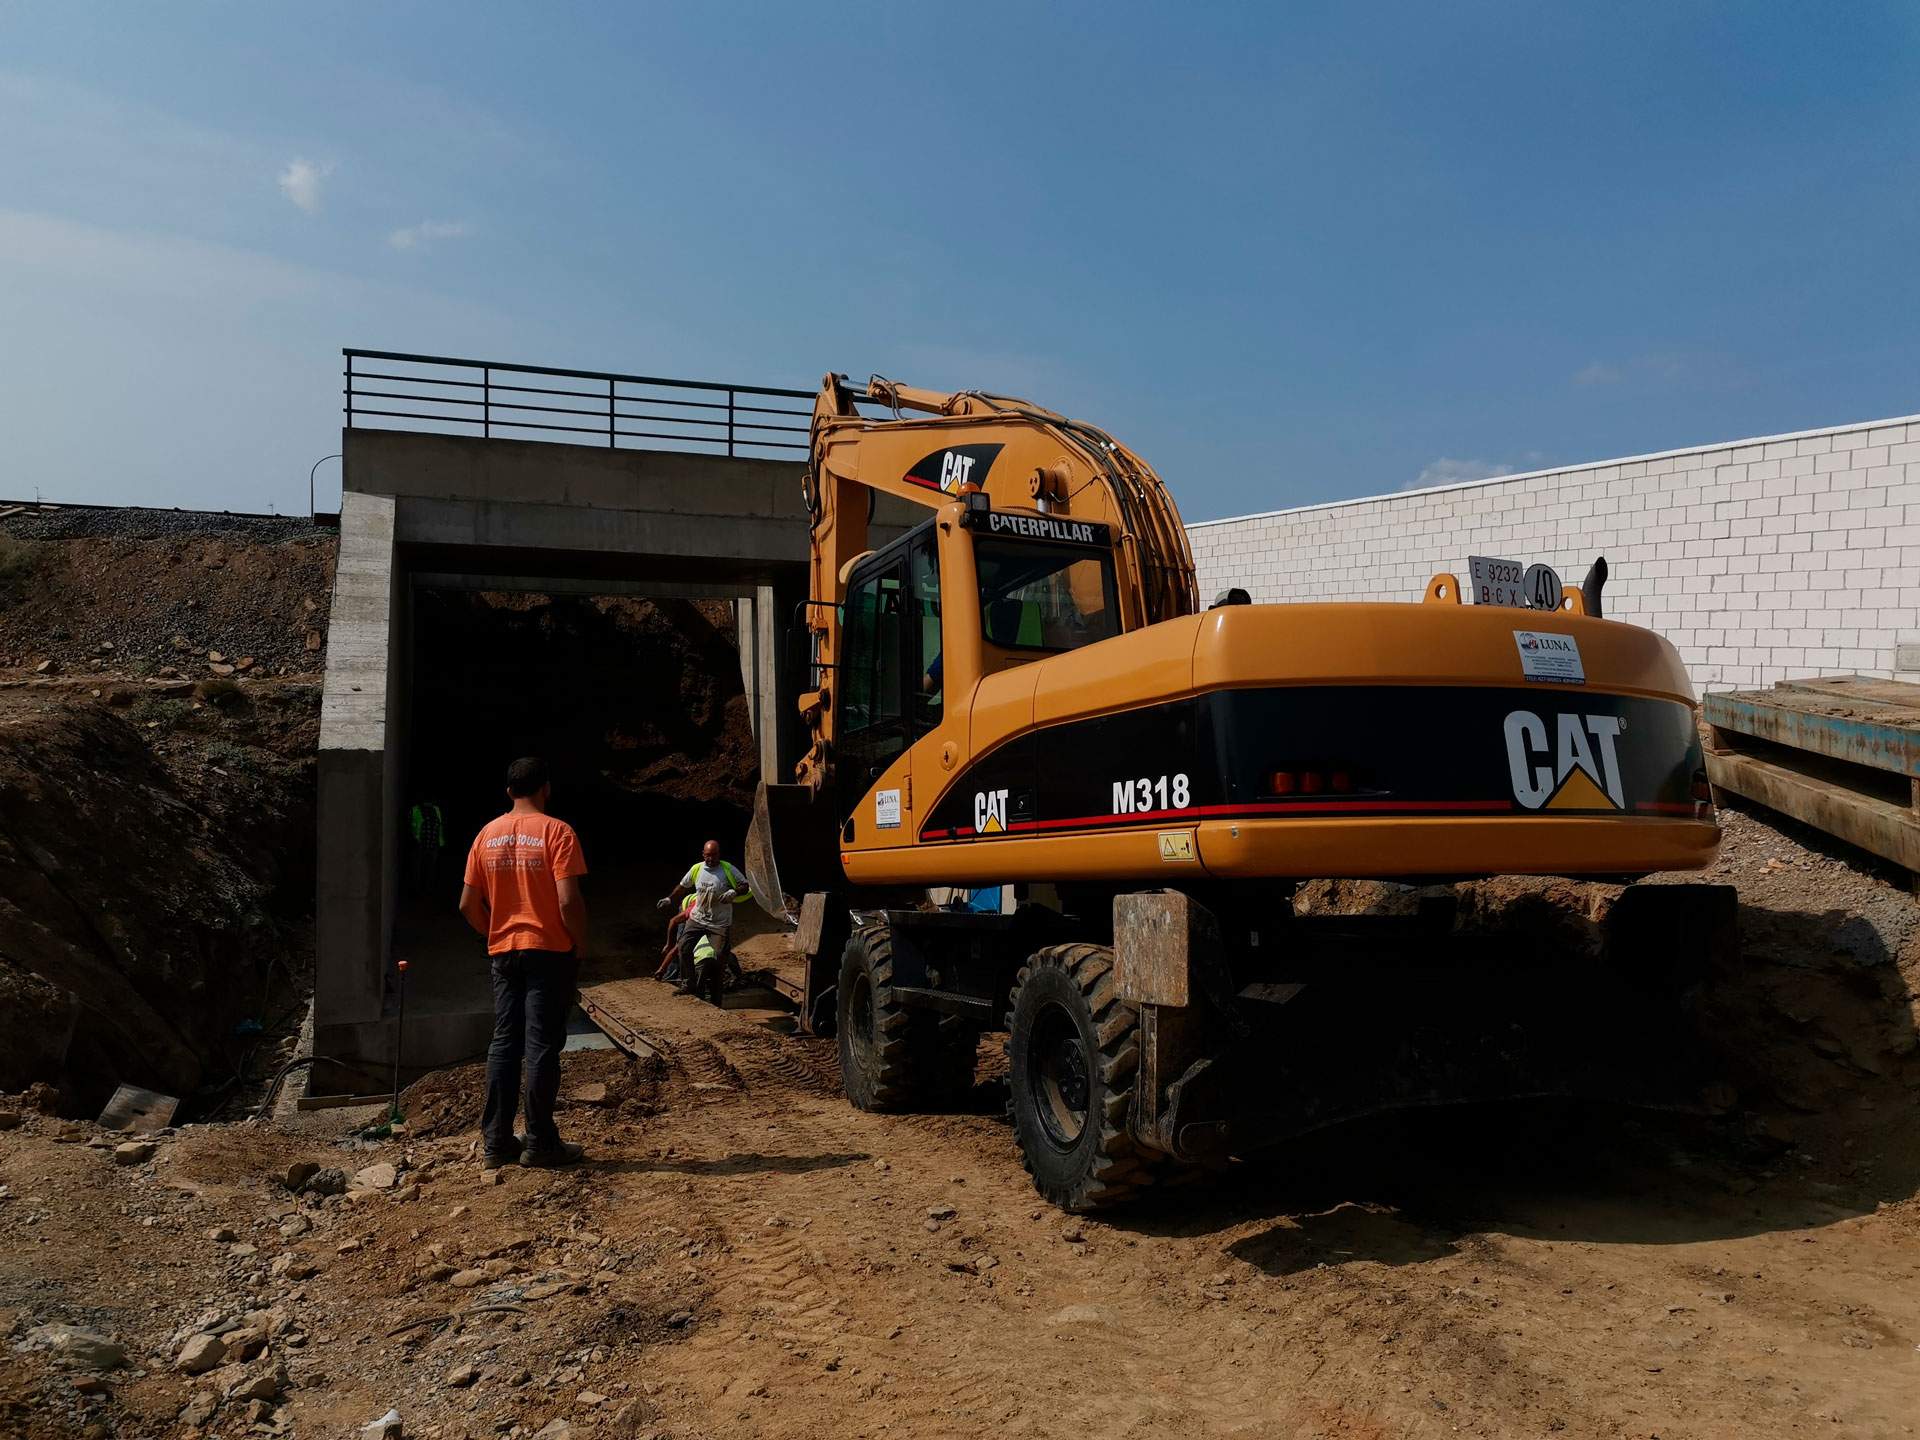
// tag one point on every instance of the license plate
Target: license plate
(1508, 582)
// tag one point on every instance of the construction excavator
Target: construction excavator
(1023, 691)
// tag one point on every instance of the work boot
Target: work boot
(491, 1161)
(552, 1156)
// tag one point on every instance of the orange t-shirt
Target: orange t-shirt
(517, 862)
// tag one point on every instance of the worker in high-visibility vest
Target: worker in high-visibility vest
(427, 828)
(714, 884)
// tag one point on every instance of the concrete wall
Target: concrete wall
(359, 772)
(1759, 559)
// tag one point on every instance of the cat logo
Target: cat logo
(947, 470)
(989, 812)
(954, 468)
(1578, 769)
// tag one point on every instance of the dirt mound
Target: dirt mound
(595, 1086)
(145, 892)
(138, 606)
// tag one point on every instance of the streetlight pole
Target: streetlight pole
(310, 474)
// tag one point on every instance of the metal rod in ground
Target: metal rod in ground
(399, 1039)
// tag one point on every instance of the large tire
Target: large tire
(1072, 1053)
(893, 1058)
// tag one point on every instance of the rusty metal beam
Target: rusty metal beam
(1886, 829)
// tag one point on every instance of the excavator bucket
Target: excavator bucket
(791, 848)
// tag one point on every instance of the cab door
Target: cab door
(873, 696)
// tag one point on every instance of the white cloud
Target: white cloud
(418, 237)
(300, 183)
(1598, 373)
(1445, 471)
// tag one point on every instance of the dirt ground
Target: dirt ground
(747, 1256)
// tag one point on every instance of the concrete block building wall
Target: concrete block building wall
(1761, 560)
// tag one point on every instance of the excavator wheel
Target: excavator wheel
(1072, 1053)
(893, 1058)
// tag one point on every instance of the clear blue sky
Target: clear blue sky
(1288, 252)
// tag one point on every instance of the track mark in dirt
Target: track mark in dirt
(784, 1061)
(704, 1067)
(784, 1297)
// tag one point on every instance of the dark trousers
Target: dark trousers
(532, 993)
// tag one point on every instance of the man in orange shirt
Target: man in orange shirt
(522, 894)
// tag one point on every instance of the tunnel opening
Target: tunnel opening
(637, 705)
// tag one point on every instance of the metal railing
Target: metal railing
(488, 398)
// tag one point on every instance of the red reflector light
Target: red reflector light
(1312, 782)
(1283, 782)
(1340, 782)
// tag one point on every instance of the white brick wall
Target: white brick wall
(1759, 559)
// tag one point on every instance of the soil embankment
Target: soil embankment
(159, 700)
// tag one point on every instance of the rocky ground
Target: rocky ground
(159, 703)
(745, 1255)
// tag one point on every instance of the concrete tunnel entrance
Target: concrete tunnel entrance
(430, 691)
(639, 707)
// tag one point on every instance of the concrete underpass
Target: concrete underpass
(430, 520)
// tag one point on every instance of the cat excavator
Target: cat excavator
(1023, 691)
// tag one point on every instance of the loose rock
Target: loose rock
(462, 1376)
(299, 1173)
(200, 1354)
(134, 1152)
(387, 1427)
(77, 1349)
(376, 1177)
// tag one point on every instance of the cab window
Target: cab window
(1045, 598)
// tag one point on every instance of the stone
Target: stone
(467, 1279)
(293, 1265)
(243, 1251)
(181, 643)
(244, 1344)
(134, 1152)
(346, 1247)
(260, 1411)
(376, 1177)
(215, 657)
(461, 1376)
(679, 1319)
(313, 641)
(9, 1119)
(298, 1174)
(221, 1235)
(458, 1212)
(554, 1430)
(330, 1181)
(47, 667)
(200, 1354)
(220, 669)
(295, 1225)
(590, 1398)
(199, 1409)
(941, 1212)
(387, 1427)
(76, 1348)
(264, 1383)
(89, 1385)
(593, 1093)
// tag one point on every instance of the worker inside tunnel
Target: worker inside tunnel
(638, 707)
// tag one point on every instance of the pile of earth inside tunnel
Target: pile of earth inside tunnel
(636, 705)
